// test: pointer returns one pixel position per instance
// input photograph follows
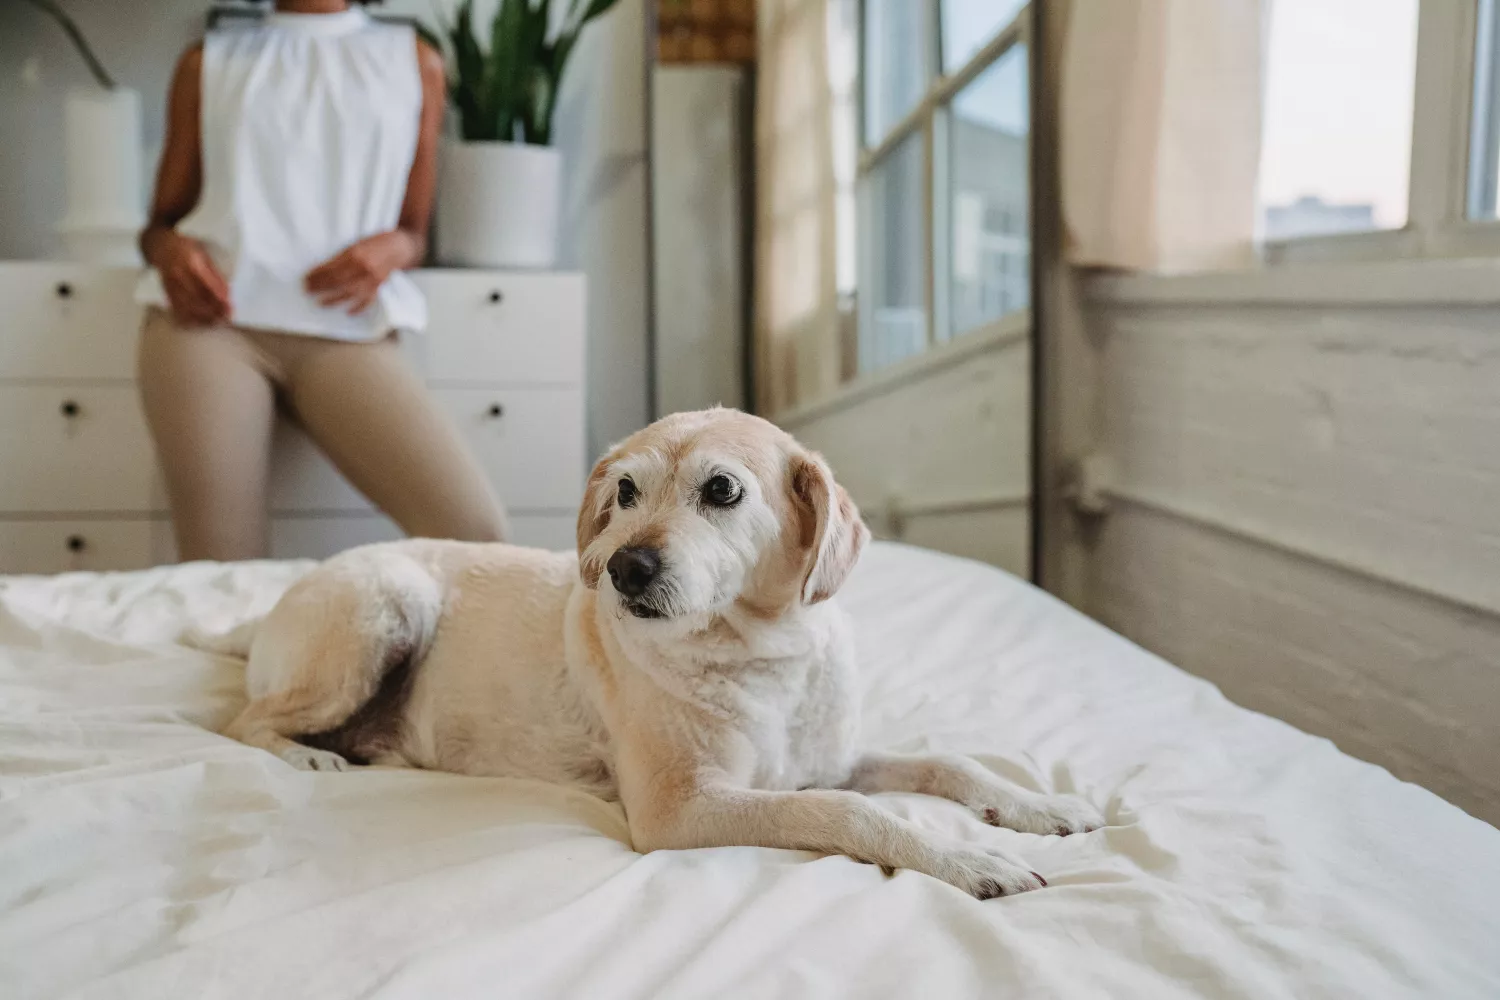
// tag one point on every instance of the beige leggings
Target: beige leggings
(211, 396)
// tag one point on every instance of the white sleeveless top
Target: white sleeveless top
(309, 126)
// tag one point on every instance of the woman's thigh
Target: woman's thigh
(210, 404)
(374, 419)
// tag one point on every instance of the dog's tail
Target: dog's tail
(235, 642)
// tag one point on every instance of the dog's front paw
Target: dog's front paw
(1043, 814)
(310, 759)
(983, 874)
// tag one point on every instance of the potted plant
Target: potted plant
(102, 126)
(500, 187)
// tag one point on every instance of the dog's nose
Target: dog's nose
(632, 570)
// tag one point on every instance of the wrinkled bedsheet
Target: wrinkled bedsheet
(141, 855)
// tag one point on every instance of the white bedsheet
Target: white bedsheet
(143, 856)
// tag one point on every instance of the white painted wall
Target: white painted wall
(601, 130)
(698, 141)
(137, 40)
(945, 439)
(1307, 506)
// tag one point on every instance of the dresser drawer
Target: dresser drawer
(502, 327)
(66, 321)
(62, 546)
(71, 449)
(530, 441)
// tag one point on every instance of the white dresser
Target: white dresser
(79, 488)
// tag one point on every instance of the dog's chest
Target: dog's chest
(795, 726)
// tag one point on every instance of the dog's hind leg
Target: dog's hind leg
(323, 651)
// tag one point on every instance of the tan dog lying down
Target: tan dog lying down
(690, 663)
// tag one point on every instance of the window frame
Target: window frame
(929, 120)
(1437, 222)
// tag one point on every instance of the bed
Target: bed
(141, 855)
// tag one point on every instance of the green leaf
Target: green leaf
(518, 36)
(476, 117)
(535, 49)
(509, 92)
(542, 96)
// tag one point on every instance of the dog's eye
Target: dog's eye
(626, 493)
(722, 491)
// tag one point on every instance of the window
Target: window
(896, 274)
(1348, 172)
(942, 181)
(969, 24)
(896, 66)
(1336, 142)
(1484, 142)
(989, 260)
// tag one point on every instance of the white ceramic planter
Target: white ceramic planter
(498, 204)
(104, 171)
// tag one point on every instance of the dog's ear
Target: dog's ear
(832, 532)
(593, 516)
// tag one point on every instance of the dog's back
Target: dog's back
(432, 654)
(494, 695)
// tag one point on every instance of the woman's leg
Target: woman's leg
(210, 405)
(372, 416)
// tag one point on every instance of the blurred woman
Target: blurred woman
(295, 186)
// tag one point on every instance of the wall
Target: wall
(936, 450)
(600, 128)
(698, 184)
(1306, 501)
(137, 40)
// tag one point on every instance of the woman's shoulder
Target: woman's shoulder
(189, 65)
(192, 56)
(430, 62)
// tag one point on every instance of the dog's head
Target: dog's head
(704, 511)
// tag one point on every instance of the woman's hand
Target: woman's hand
(197, 291)
(355, 276)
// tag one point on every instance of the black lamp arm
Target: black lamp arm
(79, 42)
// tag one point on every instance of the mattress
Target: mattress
(141, 855)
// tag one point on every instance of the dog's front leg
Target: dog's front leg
(965, 781)
(831, 822)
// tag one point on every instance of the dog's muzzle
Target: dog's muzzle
(633, 571)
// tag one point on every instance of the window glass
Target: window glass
(1484, 139)
(896, 66)
(989, 212)
(895, 322)
(969, 24)
(1336, 146)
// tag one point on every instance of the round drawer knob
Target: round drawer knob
(77, 543)
(496, 411)
(64, 290)
(70, 408)
(496, 298)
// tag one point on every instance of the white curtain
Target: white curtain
(1160, 111)
(796, 296)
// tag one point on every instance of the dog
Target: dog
(690, 662)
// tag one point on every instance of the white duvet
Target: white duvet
(141, 855)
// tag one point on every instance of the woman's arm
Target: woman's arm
(354, 276)
(195, 289)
